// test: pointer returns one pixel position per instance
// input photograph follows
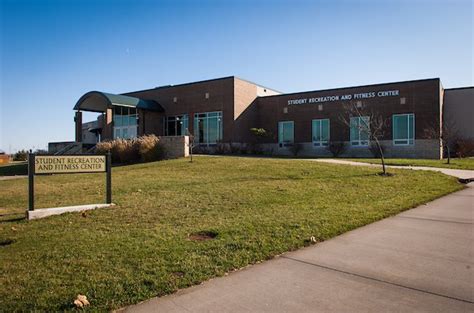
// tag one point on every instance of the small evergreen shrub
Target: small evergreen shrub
(296, 148)
(21, 155)
(336, 148)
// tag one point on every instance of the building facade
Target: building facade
(224, 110)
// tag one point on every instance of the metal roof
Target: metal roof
(97, 101)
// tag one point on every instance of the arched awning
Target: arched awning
(97, 101)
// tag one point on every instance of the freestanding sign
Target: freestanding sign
(68, 164)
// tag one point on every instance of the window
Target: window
(320, 132)
(208, 127)
(125, 122)
(286, 133)
(403, 129)
(176, 125)
(360, 130)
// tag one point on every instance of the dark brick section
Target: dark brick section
(245, 105)
(191, 99)
(421, 98)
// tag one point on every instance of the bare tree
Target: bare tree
(371, 123)
(448, 134)
(191, 144)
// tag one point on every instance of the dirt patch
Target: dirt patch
(6, 242)
(178, 274)
(202, 235)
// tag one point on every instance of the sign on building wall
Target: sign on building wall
(51, 164)
(345, 97)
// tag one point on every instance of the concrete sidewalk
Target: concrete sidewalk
(421, 260)
(464, 174)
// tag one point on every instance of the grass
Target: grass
(12, 169)
(253, 208)
(456, 163)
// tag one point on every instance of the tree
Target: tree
(448, 134)
(191, 144)
(259, 136)
(370, 123)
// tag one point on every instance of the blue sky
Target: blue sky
(52, 52)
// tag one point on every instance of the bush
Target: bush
(234, 148)
(146, 149)
(375, 150)
(222, 148)
(41, 152)
(124, 151)
(259, 132)
(296, 148)
(199, 149)
(243, 149)
(21, 155)
(464, 148)
(149, 148)
(336, 148)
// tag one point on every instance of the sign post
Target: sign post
(108, 182)
(31, 181)
(67, 164)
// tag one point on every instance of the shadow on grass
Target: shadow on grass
(11, 218)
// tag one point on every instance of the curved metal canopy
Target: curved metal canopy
(97, 101)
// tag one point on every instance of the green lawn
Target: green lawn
(16, 168)
(140, 248)
(463, 164)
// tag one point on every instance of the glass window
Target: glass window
(176, 125)
(208, 127)
(403, 129)
(360, 130)
(286, 133)
(125, 122)
(117, 116)
(320, 132)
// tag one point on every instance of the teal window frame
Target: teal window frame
(318, 132)
(409, 139)
(203, 133)
(282, 142)
(359, 137)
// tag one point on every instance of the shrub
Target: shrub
(146, 149)
(199, 149)
(149, 148)
(259, 132)
(464, 148)
(243, 149)
(375, 150)
(41, 152)
(222, 148)
(296, 148)
(336, 148)
(21, 155)
(125, 151)
(234, 148)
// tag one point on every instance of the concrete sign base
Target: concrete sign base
(31, 215)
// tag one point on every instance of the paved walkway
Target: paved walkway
(421, 260)
(464, 174)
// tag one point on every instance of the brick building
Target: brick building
(224, 110)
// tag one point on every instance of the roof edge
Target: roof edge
(458, 88)
(179, 85)
(353, 87)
